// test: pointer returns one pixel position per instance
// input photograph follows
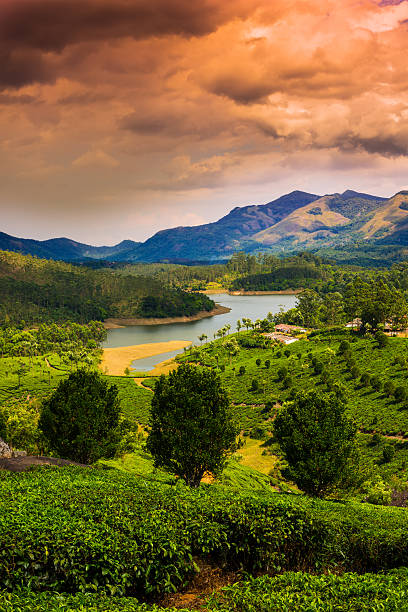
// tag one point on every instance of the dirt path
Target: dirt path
(139, 383)
(21, 464)
(400, 438)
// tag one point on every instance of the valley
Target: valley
(253, 514)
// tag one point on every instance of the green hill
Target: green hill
(35, 290)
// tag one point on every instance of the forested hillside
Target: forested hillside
(36, 290)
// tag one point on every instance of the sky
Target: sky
(119, 118)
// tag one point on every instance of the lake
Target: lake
(242, 306)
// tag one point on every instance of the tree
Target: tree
(80, 420)
(232, 347)
(332, 308)
(308, 304)
(317, 439)
(192, 432)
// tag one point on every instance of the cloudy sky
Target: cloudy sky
(122, 117)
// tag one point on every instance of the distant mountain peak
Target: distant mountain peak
(350, 193)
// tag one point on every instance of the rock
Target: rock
(19, 453)
(5, 451)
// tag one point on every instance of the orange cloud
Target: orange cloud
(128, 102)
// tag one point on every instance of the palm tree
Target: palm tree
(202, 338)
(239, 325)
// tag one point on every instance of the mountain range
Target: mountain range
(295, 221)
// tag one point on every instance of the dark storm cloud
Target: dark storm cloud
(30, 29)
(51, 25)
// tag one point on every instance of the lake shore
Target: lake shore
(116, 360)
(113, 323)
(281, 292)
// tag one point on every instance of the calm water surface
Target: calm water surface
(242, 306)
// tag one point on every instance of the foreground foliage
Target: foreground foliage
(301, 591)
(288, 592)
(81, 529)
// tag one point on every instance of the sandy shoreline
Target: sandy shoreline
(116, 323)
(116, 360)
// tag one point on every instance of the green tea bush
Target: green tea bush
(388, 453)
(29, 601)
(400, 394)
(305, 592)
(81, 530)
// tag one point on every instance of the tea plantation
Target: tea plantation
(91, 537)
(317, 362)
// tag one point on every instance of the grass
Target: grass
(237, 474)
(253, 455)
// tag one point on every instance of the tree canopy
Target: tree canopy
(80, 420)
(192, 432)
(317, 439)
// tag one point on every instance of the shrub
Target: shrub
(318, 367)
(355, 372)
(286, 352)
(282, 372)
(254, 385)
(242, 370)
(378, 493)
(375, 439)
(376, 383)
(389, 388)
(258, 362)
(365, 379)
(381, 338)
(388, 453)
(287, 382)
(400, 394)
(267, 364)
(344, 346)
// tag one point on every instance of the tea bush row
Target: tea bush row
(301, 591)
(76, 529)
(292, 591)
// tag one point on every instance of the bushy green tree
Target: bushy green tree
(192, 432)
(80, 420)
(317, 439)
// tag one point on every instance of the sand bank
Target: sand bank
(116, 360)
(115, 323)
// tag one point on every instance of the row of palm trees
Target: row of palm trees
(247, 323)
